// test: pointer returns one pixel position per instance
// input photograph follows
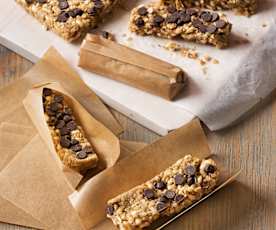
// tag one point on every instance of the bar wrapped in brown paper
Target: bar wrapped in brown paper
(105, 143)
(118, 62)
(91, 199)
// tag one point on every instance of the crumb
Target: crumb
(264, 25)
(124, 35)
(129, 39)
(202, 62)
(172, 46)
(215, 61)
(204, 70)
(107, 35)
(207, 58)
(246, 34)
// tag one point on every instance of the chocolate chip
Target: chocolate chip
(74, 142)
(68, 111)
(142, 11)
(50, 112)
(160, 207)
(67, 118)
(105, 34)
(170, 194)
(81, 155)
(60, 124)
(160, 185)
(63, 17)
(149, 194)
(210, 168)
(172, 18)
(164, 199)
(41, 1)
(88, 149)
(63, 5)
(190, 180)
(206, 16)
(197, 23)
(178, 198)
(110, 210)
(58, 98)
(52, 121)
(65, 141)
(29, 1)
(92, 11)
(55, 106)
(71, 125)
(220, 24)
(139, 22)
(59, 116)
(180, 179)
(98, 4)
(47, 92)
(158, 20)
(184, 18)
(190, 170)
(75, 12)
(191, 11)
(211, 29)
(76, 148)
(64, 131)
(215, 17)
(171, 9)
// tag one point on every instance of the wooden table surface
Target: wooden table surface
(249, 203)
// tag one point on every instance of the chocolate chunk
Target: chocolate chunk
(197, 23)
(64, 131)
(160, 185)
(50, 112)
(210, 168)
(59, 115)
(81, 155)
(220, 24)
(172, 18)
(65, 141)
(76, 148)
(110, 210)
(170, 194)
(139, 22)
(68, 111)
(171, 9)
(105, 34)
(52, 121)
(215, 17)
(63, 5)
(58, 98)
(67, 118)
(180, 179)
(88, 149)
(184, 18)
(190, 170)
(75, 12)
(71, 125)
(206, 16)
(191, 180)
(47, 92)
(142, 11)
(98, 4)
(92, 11)
(211, 29)
(55, 106)
(60, 124)
(157, 20)
(63, 17)
(164, 199)
(41, 1)
(191, 11)
(74, 142)
(149, 194)
(29, 1)
(179, 198)
(160, 207)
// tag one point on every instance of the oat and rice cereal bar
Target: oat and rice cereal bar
(191, 24)
(69, 139)
(243, 7)
(70, 19)
(174, 189)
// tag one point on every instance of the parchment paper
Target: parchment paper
(90, 200)
(104, 141)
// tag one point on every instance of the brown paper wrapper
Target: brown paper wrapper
(90, 201)
(105, 143)
(120, 63)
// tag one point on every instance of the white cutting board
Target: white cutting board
(24, 35)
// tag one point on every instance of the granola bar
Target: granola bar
(191, 24)
(69, 139)
(174, 189)
(68, 18)
(244, 7)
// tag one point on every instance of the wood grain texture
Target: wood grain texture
(249, 203)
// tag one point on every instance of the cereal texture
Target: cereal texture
(174, 189)
(68, 18)
(191, 24)
(68, 137)
(244, 7)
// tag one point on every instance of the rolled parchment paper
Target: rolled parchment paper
(105, 143)
(121, 63)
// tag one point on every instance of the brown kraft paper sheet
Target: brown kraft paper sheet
(132, 67)
(52, 67)
(136, 169)
(106, 144)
